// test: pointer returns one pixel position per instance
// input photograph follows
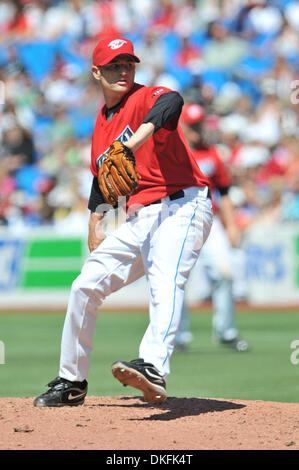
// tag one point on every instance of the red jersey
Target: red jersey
(212, 166)
(164, 162)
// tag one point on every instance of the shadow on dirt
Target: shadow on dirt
(181, 407)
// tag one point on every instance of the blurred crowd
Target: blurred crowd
(239, 59)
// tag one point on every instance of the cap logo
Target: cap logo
(117, 43)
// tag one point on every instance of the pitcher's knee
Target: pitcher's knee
(89, 287)
(80, 284)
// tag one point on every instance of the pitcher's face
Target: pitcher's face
(117, 76)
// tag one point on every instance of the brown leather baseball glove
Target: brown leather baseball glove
(117, 177)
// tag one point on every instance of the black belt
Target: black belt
(172, 197)
(180, 193)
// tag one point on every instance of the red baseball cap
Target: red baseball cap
(107, 49)
(192, 113)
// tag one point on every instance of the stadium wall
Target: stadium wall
(38, 266)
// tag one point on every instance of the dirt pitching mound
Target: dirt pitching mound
(129, 423)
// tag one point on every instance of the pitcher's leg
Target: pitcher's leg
(174, 249)
(113, 265)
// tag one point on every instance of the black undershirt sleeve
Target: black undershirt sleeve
(96, 198)
(223, 191)
(166, 111)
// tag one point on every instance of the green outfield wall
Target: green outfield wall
(38, 267)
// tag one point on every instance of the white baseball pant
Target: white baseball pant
(163, 242)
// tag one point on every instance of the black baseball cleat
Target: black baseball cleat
(63, 392)
(141, 375)
(239, 344)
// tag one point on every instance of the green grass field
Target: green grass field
(32, 348)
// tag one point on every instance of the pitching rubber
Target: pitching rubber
(127, 376)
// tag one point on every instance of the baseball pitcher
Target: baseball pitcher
(139, 160)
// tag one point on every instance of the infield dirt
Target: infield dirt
(129, 423)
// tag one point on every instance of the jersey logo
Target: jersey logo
(157, 92)
(123, 137)
(117, 43)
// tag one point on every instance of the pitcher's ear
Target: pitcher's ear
(96, 72)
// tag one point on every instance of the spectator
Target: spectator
(18, 146)
(223, 50)
(7, 188)
(238, 59)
